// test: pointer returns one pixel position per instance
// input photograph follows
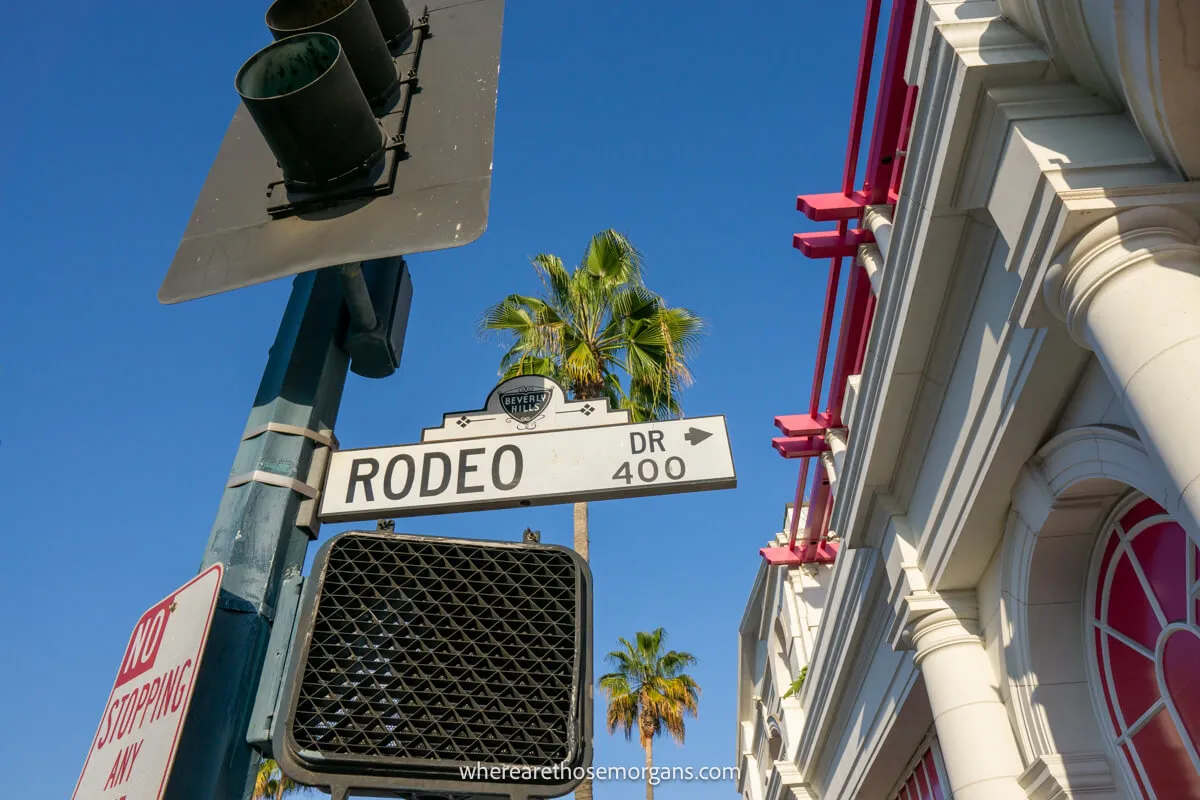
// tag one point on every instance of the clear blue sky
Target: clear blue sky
(690, 126)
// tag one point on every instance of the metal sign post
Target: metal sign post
(262, 532)
(365, 133)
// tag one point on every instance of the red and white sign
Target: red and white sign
(134, 747)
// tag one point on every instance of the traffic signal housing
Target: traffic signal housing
(364, 133)
(425, 665)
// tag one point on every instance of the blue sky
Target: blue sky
(688, 126)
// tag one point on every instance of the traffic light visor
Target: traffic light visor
(356, 28)
(287, 66)
(310, 110)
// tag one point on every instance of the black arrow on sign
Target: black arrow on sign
(696, 436)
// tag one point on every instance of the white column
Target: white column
(974, 733)
(878, 220)
(870, 256)
(1129, 289)
(834, 458)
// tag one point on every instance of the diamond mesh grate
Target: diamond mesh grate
(443, 651)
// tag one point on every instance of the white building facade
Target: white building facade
(1014, 473)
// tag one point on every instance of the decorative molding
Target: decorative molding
(1061, 25)
(933, 620)
(787, 783)
(1123, 241)
(984, 38)
(854, 587)
(1139, 61)
(1122, 52)
(1080, 454)
(1063, 776)
(908, 582)
(958, 48)
(1042, 491)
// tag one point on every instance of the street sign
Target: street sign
(532, 465)
(134, 746)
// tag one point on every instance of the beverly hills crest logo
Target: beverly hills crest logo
(525, 404)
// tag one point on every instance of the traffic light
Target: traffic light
(440, 666)
(364, 133)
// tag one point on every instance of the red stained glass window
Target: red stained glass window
(1146, 644)
(924, 782)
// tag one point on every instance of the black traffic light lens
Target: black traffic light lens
(354, 25)
(312, 113)
(286, 67)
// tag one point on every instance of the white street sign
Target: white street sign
(134, 747)
(562, 465)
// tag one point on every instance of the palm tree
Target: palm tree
(649, 691)
(272, 784)
(599, 332)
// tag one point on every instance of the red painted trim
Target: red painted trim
(866, 54)
(868, 318)
(831, 292)
(836, 244)
(781, 556)
(819, 500)
(798, 504)
(910, 108)
(848, 340)
(825, 553)
(889, 103)
(800, 446)
(894, 110)
(802, 424)
(832, 206)
(817, 537)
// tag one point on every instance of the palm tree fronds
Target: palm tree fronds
(612, 259)
(271, 784)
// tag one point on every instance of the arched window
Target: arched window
(1145, 649)
(775, 740)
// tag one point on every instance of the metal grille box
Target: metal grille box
(427, 664)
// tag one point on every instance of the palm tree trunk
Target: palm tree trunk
(581, 530)
(584, 790)
(649, 745)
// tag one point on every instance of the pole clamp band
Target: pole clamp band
(329, 441)
(273, 479)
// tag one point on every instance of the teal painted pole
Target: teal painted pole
(257, 538)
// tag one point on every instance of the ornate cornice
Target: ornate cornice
(933, 620)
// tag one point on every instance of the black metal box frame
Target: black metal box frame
(521, 617)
